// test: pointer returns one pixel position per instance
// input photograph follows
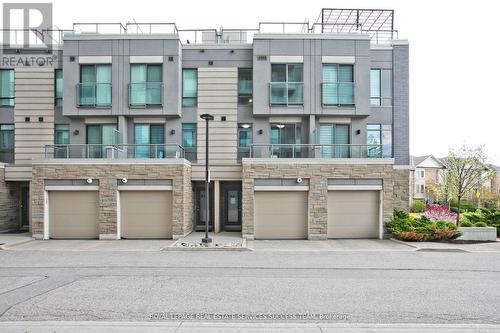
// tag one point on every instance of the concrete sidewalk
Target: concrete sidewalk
(221, 327)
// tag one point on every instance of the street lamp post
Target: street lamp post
(207, 117)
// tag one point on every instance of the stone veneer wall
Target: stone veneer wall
(9, 203)
(395, 188)
(107, 174)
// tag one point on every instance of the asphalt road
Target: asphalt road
(330, 287)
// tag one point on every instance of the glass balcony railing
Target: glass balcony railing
(121, 151)
(93, 94)
(141, 95)
(286, 93)
(316, 151)
(338, 94)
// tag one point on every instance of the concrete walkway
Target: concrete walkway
(233, 241)
(11, 239)
(221, 327)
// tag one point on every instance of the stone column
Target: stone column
(108, 214)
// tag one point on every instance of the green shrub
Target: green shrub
(410, 228)
(480, 225)
(466, 224)
(400, 214)
(418, 206)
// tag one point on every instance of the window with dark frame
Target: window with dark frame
(6, 87)
(245, 86)
(189, 87)
(380, 87)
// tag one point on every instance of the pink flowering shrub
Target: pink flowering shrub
(439, 213)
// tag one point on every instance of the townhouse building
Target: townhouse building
(310, 138)
(428, 171)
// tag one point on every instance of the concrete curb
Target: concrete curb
(403, 243)
(429, 249)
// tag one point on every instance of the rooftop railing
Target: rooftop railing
(118, 151)
(377, 23)
(316, 151)
(19, 38)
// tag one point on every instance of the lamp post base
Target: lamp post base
(206, 240)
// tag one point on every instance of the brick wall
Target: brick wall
(107, 174)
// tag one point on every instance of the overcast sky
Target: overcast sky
(454, 53)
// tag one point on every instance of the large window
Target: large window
(379, 140)
(145, 85)
(287, 86)
(381, 87)
(338, 84)
(245, 86)
(189, 141)
(58, 98)
(335, 140)
(245, 138)
(189, 87)
(98, 136)
(94, 89)
(7, 143)
(6, 87)
(149, 140)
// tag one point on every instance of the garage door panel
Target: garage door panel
(73, 214)
(280, 215)
(146, 214)
(353, 214)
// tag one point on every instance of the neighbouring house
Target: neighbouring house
(495, 180)
(102, 135)
(427, 171)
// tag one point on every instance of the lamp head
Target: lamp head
(207, 116)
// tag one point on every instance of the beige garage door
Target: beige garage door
(146, 214)
(73, 214)
(353, 214)
(280, 215)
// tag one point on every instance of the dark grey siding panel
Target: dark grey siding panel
(401, 105)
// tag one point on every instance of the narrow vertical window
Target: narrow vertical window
(381, 87)
(7, 143)
(58, 87)
(6, 87)
(245, 86)
(189, 87)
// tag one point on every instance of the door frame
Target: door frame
(23, 226)
(199, 187)
(226, 188)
